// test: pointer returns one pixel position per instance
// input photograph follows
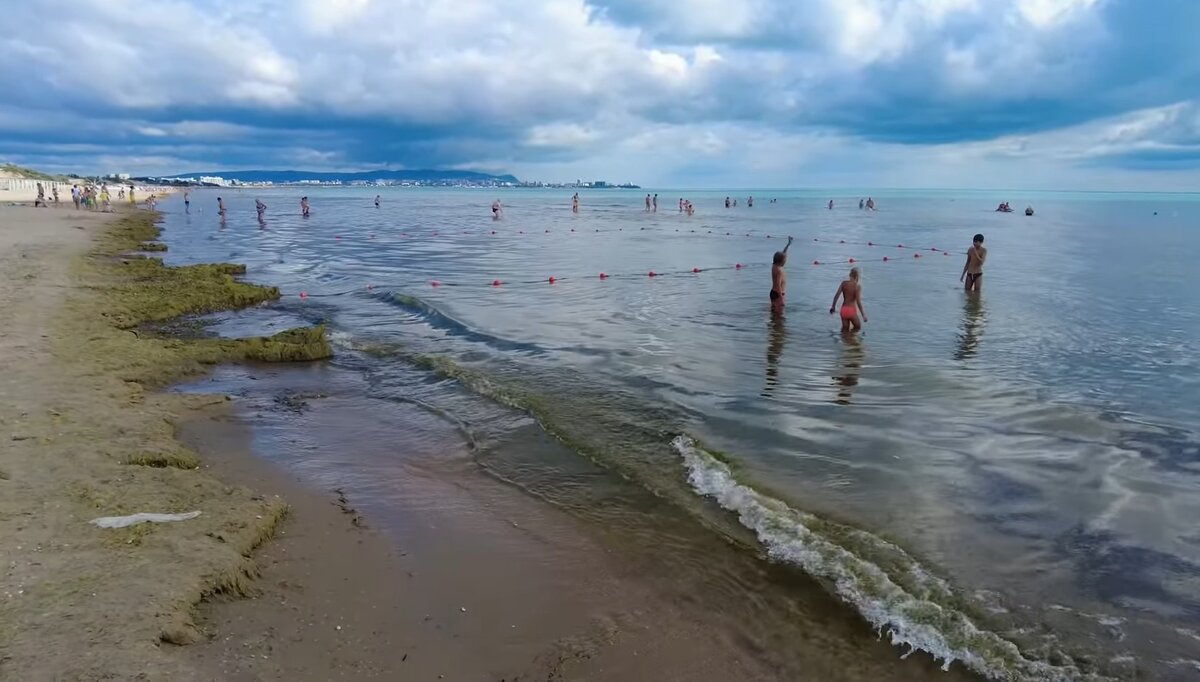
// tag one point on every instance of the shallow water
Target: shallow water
(1036, 446)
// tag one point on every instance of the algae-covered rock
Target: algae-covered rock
(301, 344)
(152, 246)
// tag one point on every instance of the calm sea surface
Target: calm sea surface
(1011, 480)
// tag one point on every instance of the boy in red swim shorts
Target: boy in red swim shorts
(850, 291)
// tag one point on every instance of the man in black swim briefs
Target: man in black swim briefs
(779, 279)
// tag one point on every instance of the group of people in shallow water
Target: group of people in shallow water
(849, 292)
(1005, 208)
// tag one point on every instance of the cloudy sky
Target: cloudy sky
(1057, 94)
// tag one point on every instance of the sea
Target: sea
(1006, 482)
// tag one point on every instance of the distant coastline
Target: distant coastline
(374, 178)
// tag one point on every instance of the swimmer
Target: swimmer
(972, 274)
(497, 210)
(779, 279)
(850, 291)
(304, 206)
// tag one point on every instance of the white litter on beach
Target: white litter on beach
(134, 519)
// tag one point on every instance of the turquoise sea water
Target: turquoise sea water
(1010, 480)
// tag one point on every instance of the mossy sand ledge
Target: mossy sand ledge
(90, 437)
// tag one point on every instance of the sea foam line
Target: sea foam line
(917, 621)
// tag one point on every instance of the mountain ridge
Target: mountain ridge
(293, 176)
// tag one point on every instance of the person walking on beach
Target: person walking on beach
(132, 201)
(575, 203)
(850, 291)
(972, 274)
(41, 197)
(54, 191)
(304, 206)
(104, 200)
(779, 279)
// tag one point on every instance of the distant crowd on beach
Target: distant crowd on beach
(90, 196)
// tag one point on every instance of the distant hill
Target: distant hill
(293, 176)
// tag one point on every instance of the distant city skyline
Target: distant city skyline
(1035, 94)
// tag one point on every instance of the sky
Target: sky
(1035, 94)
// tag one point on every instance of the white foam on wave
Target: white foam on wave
(914, 610)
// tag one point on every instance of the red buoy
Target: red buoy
(603, 276)
(816, 262)
(303, 295)
(551, 280)
(434, 283)
(495, 282)
(885, 259)
(337, 236)
(916, 255)
(493, 232)
(695, 269)
(651, 274)
(850, 261)
(899, 246)
(870, 243)
(841, 241)
(737, 266)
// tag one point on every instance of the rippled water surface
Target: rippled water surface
(1035, 446)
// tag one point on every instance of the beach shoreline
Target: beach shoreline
(93, 436)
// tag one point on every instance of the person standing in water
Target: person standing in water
(750, 202)
(497, 210)
(870, 204)
(850, 291)
(860, 204)
(304, 206)
(575, 203)
(779, 279)
(654, 204)
(972, 274)
(830, 206)
(221, 207)
(261, 208)
(647, 203)
(187, 203)
(376, 201)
